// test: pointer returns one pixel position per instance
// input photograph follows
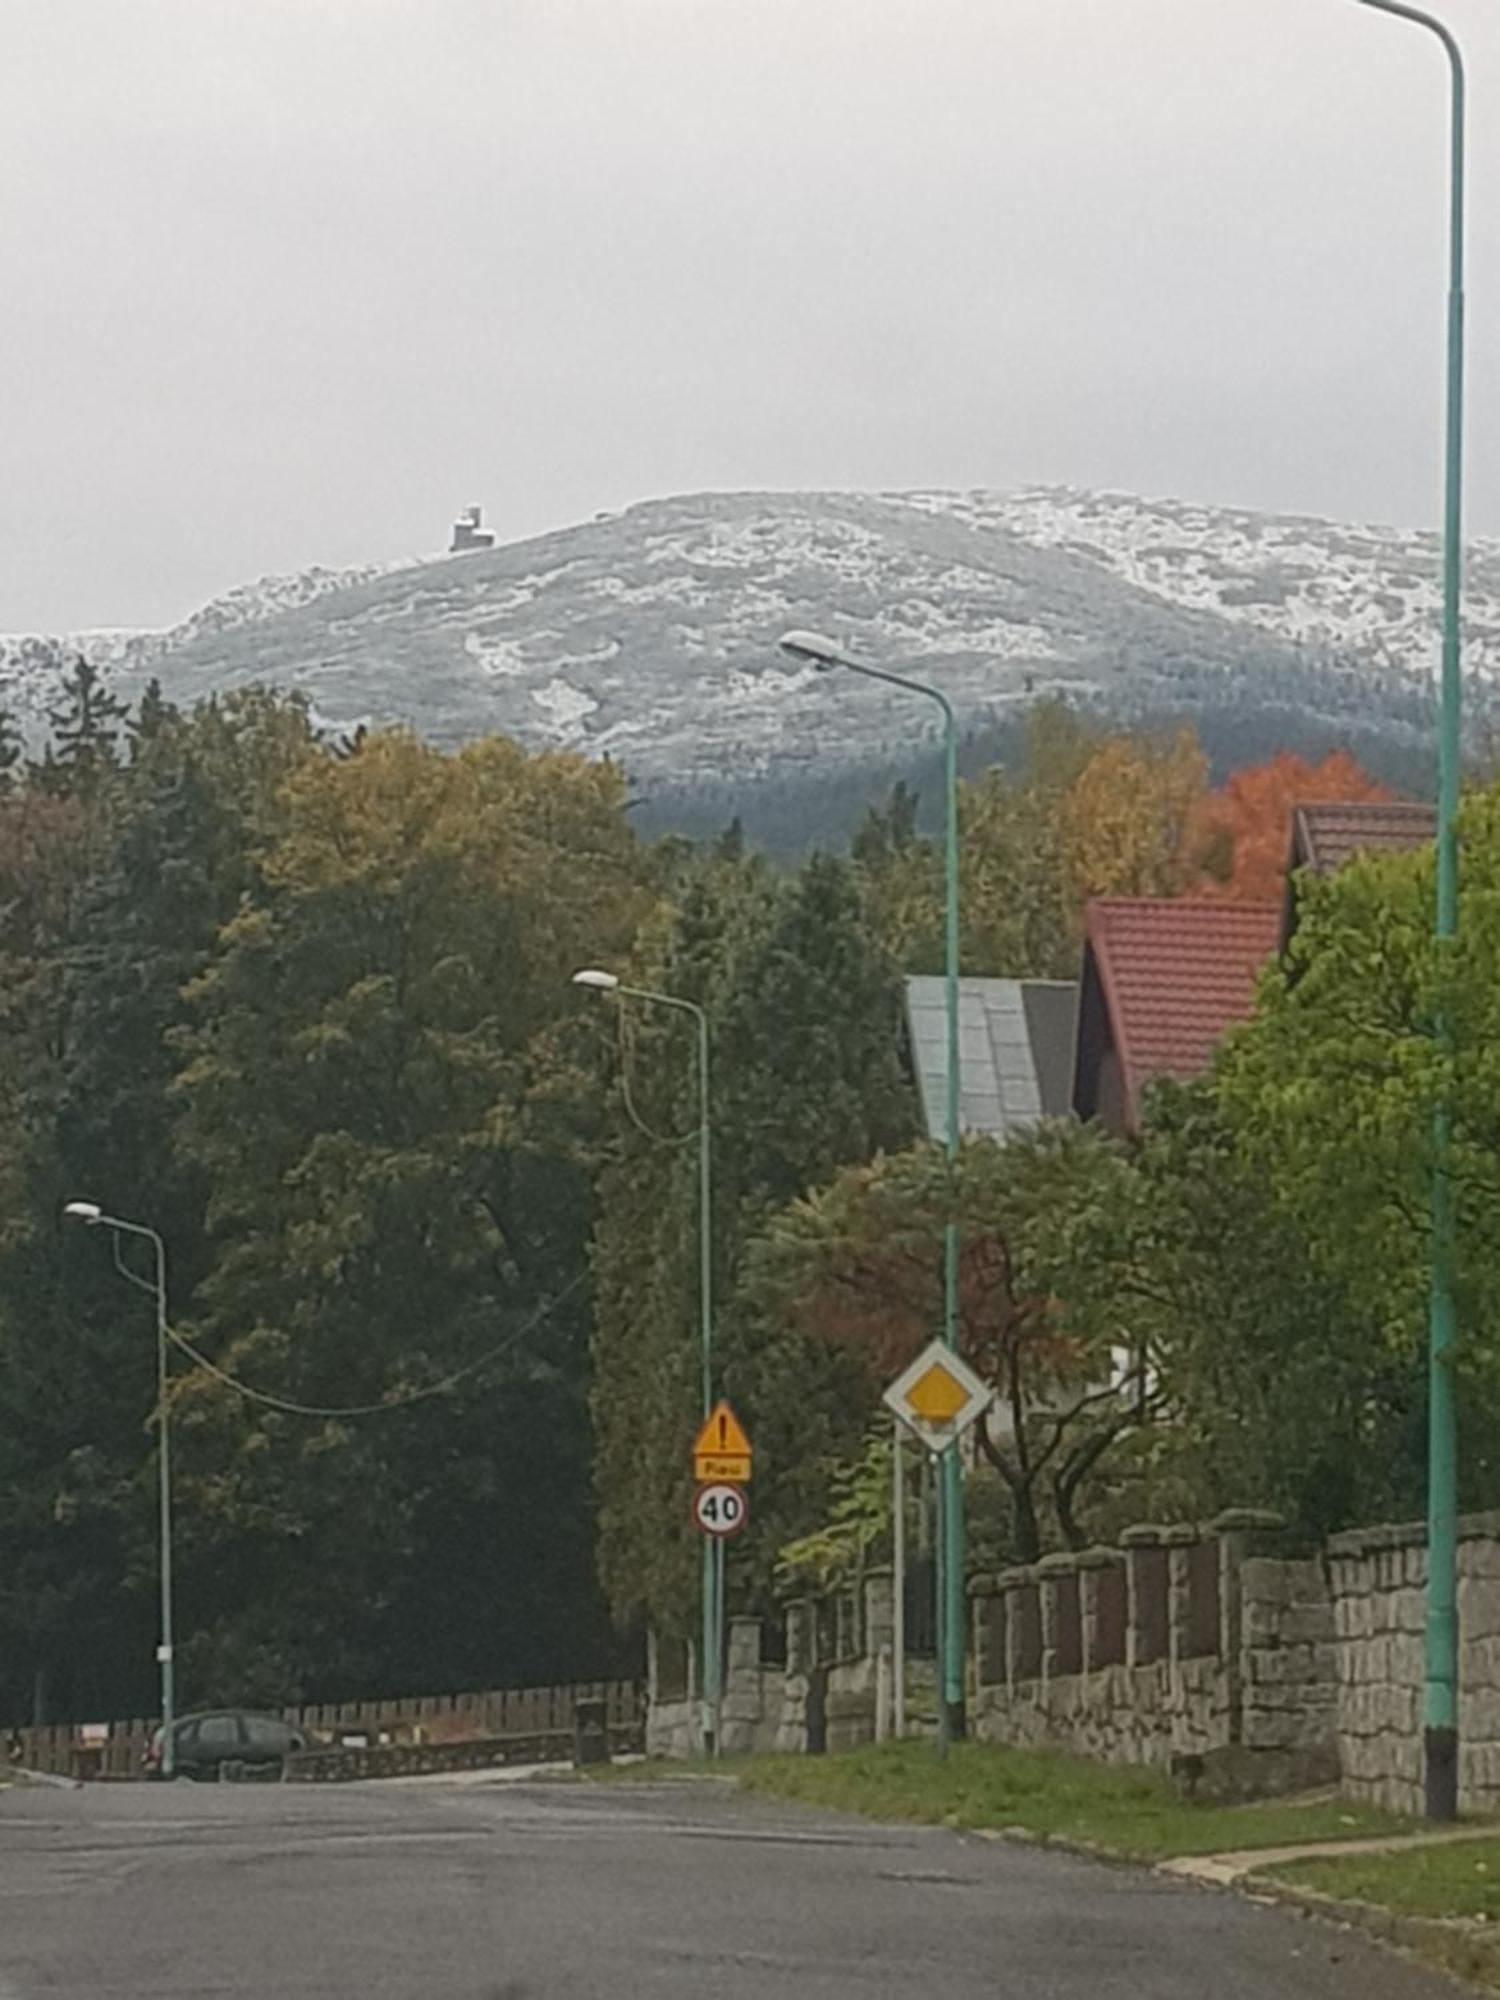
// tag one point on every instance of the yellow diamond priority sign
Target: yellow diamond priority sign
(938, 1396)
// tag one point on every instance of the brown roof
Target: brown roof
(1324, 837)
(1162, 980)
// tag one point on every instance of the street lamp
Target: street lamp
(1440, 1693)
(713, 1552)
(92, 1216)
(825, 655)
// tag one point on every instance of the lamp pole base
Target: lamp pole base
(1440, 1773)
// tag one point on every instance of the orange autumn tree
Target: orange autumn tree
(1237, 837)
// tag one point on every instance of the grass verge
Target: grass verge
(1461, 1879)
(1133, 1813)
(1440, 1903)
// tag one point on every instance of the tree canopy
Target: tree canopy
(306, 1006)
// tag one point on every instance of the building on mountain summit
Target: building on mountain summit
(468, 534)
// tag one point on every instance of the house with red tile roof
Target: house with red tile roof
(1162, 981)
(1324, 837)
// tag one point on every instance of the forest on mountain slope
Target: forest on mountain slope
(304, 1005)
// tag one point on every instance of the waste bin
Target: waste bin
(590, 1732)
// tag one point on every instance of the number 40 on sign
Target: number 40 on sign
(720, 1510)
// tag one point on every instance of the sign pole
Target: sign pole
(720, 1654)
(898, 1564)
(722, 1462)
(937, 1397)
(940, 1623)
(711, 1665)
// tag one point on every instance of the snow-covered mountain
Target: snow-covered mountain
(650, 635)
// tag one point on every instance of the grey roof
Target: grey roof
(1015, 1051)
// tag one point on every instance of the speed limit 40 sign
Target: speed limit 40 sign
(720, 1509)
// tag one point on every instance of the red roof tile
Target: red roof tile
(1174, 975)
(1324, 837)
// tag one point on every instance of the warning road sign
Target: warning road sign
(721, 1450)
(938, 1396)
(720, 1510)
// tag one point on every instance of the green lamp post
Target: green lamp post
(811, 647)
(1440, 1692)
(92, 1216)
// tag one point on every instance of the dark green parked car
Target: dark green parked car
(208, 1745)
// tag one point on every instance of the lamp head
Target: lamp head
(602, 982)
(813, 649)
(84, 1211)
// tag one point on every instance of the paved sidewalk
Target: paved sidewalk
(1223, 1869)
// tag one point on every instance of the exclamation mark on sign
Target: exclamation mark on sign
(723, 1430)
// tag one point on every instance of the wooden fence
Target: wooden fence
(380, 1738)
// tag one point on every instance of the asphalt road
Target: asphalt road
(505, 1892)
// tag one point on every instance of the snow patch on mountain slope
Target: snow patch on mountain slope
(1336, 588)
(564, 707)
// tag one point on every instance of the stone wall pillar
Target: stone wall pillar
(742, 1700)
(744, 1646)
(1242, 1532)
(799, 1616)
(1101, 1577)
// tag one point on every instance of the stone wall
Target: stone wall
(754, 1693)
(834, 1692)
(1213, 1652)
(1205, 1651)
(1379, 1581)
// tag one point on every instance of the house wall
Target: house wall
(1114, 1109)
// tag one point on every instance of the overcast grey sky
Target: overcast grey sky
(289, 281)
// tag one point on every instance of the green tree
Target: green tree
(112, 904)
(1066, 1341)
(1330, 1092)
(154, 717)
(12, 750)
(1283, 1391)
(379, 1093)
(808, 1069)
(86, 725)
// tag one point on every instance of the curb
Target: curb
(1464, 1950)
(21, 1775)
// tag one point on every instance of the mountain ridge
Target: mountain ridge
(649, 634)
